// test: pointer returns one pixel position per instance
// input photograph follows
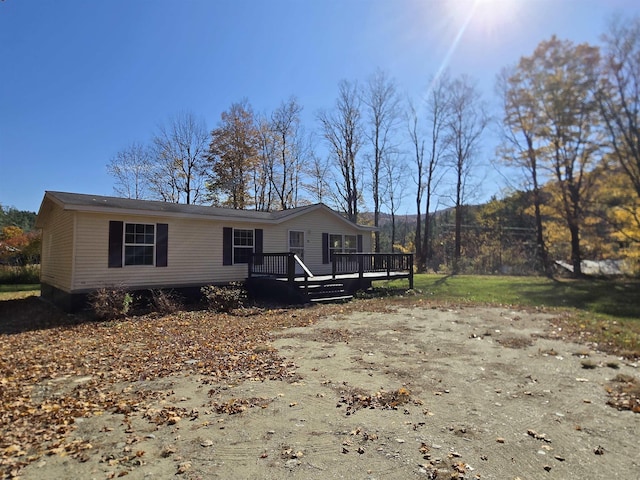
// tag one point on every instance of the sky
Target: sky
(82, 80)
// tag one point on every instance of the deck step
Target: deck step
(341, 298)
(326, 292)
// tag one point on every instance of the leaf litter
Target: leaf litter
(53, 375)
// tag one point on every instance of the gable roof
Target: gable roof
(98, 203)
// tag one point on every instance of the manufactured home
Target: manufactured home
(91, 241)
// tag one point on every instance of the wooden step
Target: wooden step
(338, 299)
(326, 292)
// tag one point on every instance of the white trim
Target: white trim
(233, 244)
(135, 244)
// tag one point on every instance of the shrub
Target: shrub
(109, 303)
(224, 298)
(25, 274)
(165, 301)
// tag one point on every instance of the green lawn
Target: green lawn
(12, 291)
(614, 298)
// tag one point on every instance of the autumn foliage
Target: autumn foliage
(19, 247)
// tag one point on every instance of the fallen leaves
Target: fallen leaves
(624, 393)
(62, 367)
(356, 399)
(239, 405)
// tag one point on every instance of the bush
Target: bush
(109, 303)
(165, 301)
(224, 298)
(26, 274)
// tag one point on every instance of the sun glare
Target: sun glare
(485, 18)
(480, 21)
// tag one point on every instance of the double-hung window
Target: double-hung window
(338, 243)
(350, 244)
(139, 243)
(296, 243)
(335, 244)
(243, 242)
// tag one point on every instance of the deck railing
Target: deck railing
(276, 265)
(283, 265)
(361, 263)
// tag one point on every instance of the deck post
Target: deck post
(389, 257)
(360, 267)
(411, 271)
(291, 268)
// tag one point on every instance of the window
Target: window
(335, 244)
(133, 244)
(242, 245)
(139, 241)
(350, 244)
(296, 243)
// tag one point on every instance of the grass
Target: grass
(614, 298)
(19, 290)
(604, 311)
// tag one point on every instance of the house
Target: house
(91, 241)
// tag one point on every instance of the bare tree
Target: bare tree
(393, 178)
(262, 186)
(317, 173)
(342, 130)
(417, 144)
(130, 167)
(290, 153)
(466, 123)
(179, 150)
(382, 111)
(438, 104)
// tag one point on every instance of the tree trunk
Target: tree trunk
(576, 258)
(457, 252)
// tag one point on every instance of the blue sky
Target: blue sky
(81, 80)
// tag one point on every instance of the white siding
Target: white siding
(313, 224)
(194, 249)
(56, 267)
(194, 255)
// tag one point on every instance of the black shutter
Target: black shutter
(227, 246)
(359, 243)
(115, 244)
(325, 248)
(258, 245)
(162, 244)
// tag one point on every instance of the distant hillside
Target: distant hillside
(10, 216)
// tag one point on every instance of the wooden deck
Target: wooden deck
(284, 276)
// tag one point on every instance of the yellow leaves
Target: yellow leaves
(14, 450)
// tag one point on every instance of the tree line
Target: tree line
(19, 240)
(569, 119)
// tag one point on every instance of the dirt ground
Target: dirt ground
(414, 393)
